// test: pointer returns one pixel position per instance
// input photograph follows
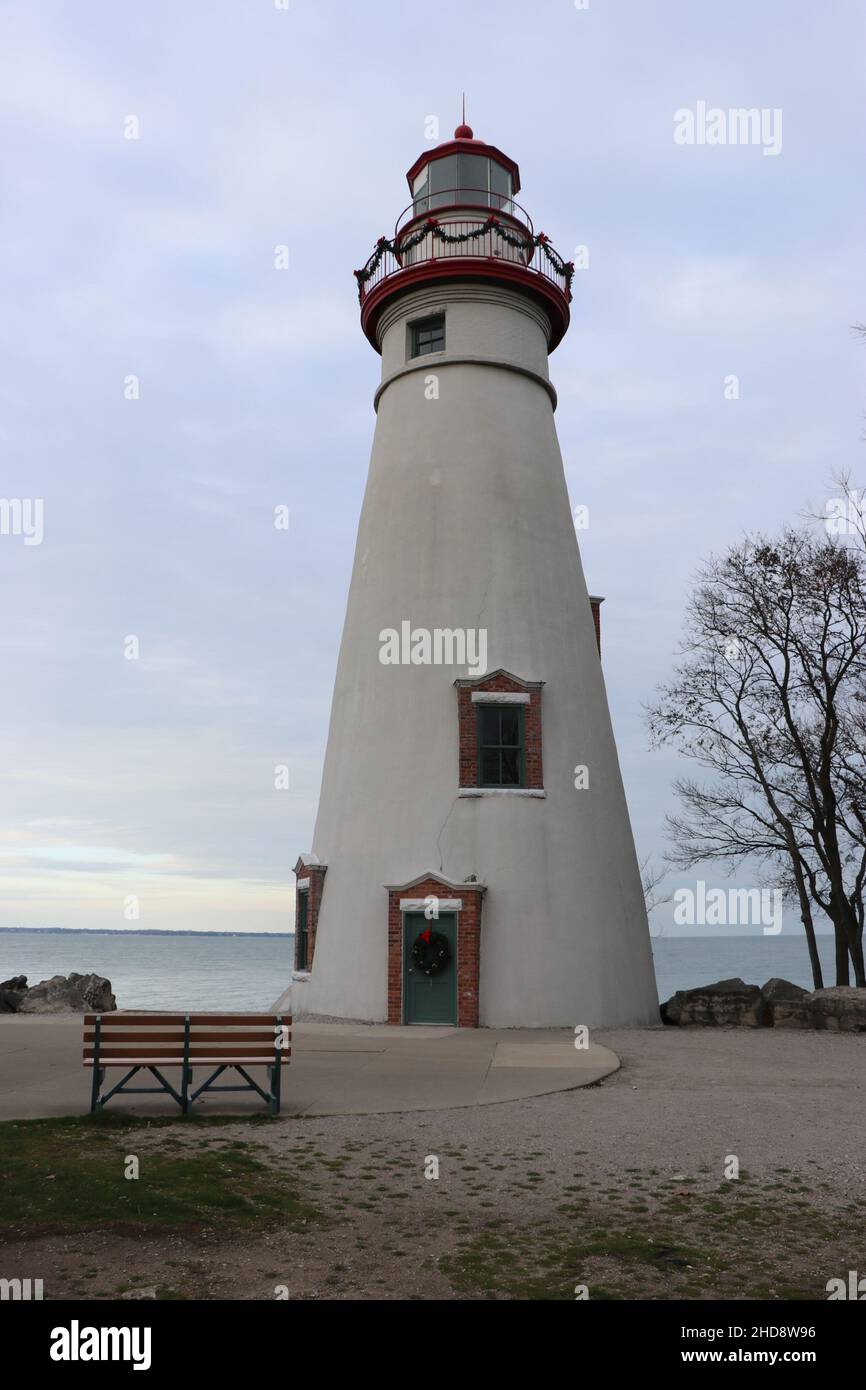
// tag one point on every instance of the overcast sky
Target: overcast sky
(154, 258)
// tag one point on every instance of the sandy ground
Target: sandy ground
(620, 1186)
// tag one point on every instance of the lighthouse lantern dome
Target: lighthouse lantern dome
(463, 172)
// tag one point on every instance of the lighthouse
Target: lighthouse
(472, 862)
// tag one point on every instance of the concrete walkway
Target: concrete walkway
(336, 1069)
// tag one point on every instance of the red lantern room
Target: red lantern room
(464, 224)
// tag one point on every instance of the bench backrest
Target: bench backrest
(196, 1037)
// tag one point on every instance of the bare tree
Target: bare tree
(651, 875)
(769, 697)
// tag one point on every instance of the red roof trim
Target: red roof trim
(467, 147)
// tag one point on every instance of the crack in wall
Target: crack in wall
(442, 832)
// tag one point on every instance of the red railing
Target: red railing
(456, 230)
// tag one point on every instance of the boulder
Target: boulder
(781, 995)
(840, 1009)
(11, 993)
(726, 1004)
(794, 1013)
(777, 988)
(73, 994)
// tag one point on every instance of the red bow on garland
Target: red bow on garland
(424, 936)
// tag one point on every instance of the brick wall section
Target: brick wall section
(468, 946)
(316, 874)
(468, 727)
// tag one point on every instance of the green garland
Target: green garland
(431, 952)
(433, 228)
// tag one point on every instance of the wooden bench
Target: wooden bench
(149, 1042)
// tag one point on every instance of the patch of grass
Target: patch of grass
(691, 1249)
(69, 1174)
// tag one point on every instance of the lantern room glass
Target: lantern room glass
(469, 179)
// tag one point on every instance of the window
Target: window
(301, 945)
(500, 187)
(473, 176)
(500, 746)
(456, 178)
(443, 181)
(427, 335)
(421, 190)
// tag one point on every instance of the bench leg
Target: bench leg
(276, 1073)
(184, 1090)
(94, 1088)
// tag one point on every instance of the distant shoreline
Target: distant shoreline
(282, 935)
(135, 931)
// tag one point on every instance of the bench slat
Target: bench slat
(178, 1061)
(122, 1020)
(252, 1035)
(204, 1049)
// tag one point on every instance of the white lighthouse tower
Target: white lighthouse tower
(472, 861)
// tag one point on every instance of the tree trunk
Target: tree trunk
(846, 923)
(857, 962)
(843, 956)
(814, 958)
(808, 925)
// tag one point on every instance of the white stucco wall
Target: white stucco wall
(466, 524)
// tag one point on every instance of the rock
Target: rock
(777, 988)
(793, 1013)
(840, 1009)
(75, 994)
(843, 1007)
(728, 1003)
(780, 995)
(11, 993)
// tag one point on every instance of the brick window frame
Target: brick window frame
(503, 688)
(309, 880)
(468, 914)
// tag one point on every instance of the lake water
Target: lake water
(195, 972)
(200, 972)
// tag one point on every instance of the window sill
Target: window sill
(301, 976)
(537, 792)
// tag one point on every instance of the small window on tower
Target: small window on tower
(500, 746)
(427, 335)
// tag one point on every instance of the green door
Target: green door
(429, 998)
